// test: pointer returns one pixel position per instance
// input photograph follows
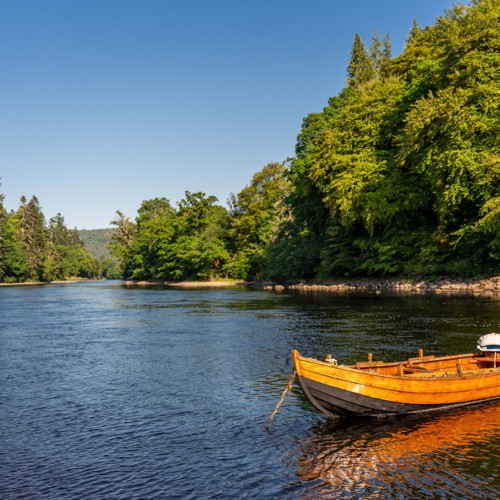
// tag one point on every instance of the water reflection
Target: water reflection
(110, 392)
(445, 456)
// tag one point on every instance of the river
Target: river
(109, 392)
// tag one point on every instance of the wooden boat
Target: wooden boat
(420, 384)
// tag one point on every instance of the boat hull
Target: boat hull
(334, 389)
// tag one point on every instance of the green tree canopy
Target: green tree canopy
(405, 160)
(31, 250)
(259, 211)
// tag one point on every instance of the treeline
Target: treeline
(398, 175)
(201, 240)
(33, 250)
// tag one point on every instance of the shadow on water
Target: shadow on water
(450, 455)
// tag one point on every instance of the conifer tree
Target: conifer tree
(386, 49)
(414, 33)
(33, 236)
(12, 254)
(375, 53)
(360, 68)
(3, 220)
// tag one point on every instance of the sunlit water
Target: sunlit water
(110, 392)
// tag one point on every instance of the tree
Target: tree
(414, 34)
(407, 164)
(165, 244)
(450, 136)
(360, 69)
(121, 241)
(33, 237)
(386, 49)
(202, 233)
(66, 255)
(13, 257)
(259, 211)
(3, 221)
(155, 228)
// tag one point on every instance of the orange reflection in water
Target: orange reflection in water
(456, 452)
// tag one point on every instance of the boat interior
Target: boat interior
(432, 366)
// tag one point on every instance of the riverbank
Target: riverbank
(36, 283)
(442, 285)
(485, 286)
(188, 284)
(33, 283)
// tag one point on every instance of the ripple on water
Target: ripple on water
(107, 392)
(434, 456)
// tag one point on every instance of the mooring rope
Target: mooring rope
(288, 388)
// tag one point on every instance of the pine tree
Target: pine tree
(13, 256)
(414, 33)
(386, 48)
(33, 237)
(3, 220)
(375, 53)
(360, 68)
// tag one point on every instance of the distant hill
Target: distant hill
(96, 241)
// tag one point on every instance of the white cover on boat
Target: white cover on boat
(490, 342)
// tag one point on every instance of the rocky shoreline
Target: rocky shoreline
(475, 286)
(487, 286)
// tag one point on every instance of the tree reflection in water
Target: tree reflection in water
(452, 455)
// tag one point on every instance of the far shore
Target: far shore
(188, 284)
(485, 286)
(32, 283)
(476, 286)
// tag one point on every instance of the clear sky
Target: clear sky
(106, 103)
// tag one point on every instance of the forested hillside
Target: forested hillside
(398, 175)
(96, 241)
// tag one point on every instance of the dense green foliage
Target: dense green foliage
(405, 160)
(200, 240)
(258, 212)
(32, 250)
(398, 175)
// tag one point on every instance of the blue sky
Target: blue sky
(106, 103)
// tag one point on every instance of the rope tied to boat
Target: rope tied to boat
(287, 389)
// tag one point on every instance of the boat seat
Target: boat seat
(486, 360)
(420, 359)
(369, 364)
(416, 369)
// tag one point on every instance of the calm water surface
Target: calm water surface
(109, 392)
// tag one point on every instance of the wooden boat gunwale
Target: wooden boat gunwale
(430, 383)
